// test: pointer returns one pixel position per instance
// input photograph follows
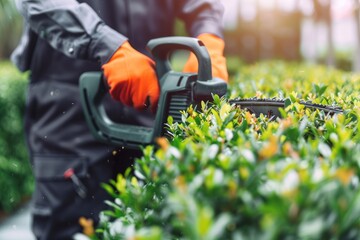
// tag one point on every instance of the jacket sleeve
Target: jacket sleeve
(202, 16)
(72, 28)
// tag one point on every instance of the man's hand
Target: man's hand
(215, 47)
(132, 78)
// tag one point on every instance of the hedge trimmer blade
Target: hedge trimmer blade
(270, 107)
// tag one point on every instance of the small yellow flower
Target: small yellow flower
(248, 117)
(134, 182)
(286, 123)
(303, 175)
(344, 175)
(163, 143)
(258, 94)
(289, 151)
(270, 149)
(87, 225)
(121, 183)
(154, 175)
(232, 189)
(244, 173)
(289, 84)
(180, 182)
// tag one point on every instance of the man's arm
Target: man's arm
(203, 19)
(77, 31)
(72, 28)
(201, 16)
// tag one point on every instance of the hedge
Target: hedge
(16, 181)
(227, 174)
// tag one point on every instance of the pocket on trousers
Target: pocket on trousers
(52, 189)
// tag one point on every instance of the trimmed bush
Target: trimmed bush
(16, 181)
(227, 174)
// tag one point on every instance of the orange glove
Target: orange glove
(215, 47)
(132, 78)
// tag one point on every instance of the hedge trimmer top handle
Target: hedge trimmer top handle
(178, 91)
(161, 49)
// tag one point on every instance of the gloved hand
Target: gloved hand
(215, 47)
(132, 78)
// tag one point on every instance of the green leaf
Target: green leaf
(287, 103)
(108, 188)
(292, 134)
(216, 100)
(228, 119)
(109, 213)
(170, 120)
(293, 98)
(216, 116)
(204, 221)
(319, 89)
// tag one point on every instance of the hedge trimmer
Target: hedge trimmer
(178, 92)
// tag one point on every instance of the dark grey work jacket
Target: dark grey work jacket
(64, 38)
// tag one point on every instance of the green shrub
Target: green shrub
(15, 173)
(229, 175)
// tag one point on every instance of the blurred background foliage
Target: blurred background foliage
(10, 27)
(317, 31)
(16, 181)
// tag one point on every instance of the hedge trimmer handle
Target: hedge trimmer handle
(161, 49)
(177, 92)
(93, 90)
(205, 85)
